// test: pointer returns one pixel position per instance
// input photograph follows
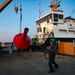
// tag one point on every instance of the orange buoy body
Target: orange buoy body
(22, 40)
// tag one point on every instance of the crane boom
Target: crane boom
(3, 6)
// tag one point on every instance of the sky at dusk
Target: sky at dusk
(10, 21)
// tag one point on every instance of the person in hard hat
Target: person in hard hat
(52, 53)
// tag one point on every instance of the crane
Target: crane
(3, 6)
(55, 4)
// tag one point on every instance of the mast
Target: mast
(20, 17)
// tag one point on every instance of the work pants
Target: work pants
(52, 61)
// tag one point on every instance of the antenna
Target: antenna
(40, 14)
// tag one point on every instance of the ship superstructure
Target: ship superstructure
(55, 25)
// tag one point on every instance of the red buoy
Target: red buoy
(22, 40)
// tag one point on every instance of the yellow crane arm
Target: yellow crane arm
(4, 4)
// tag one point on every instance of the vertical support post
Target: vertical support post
(20, 17)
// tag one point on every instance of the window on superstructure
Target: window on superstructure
(37, 30)
(63, 31)
(47, 19)
(50, 16)
(44, 18)
(40, 30)
(56, 16)
(54, 23)
(39, 24)
(72, 32)
(44, 29)
(56, 20)
(60, 16)
(41, 20)
(38, 21)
